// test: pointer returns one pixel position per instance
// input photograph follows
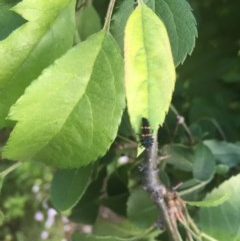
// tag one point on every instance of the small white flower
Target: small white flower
(39, 216)
(35, 188)
(44, 234)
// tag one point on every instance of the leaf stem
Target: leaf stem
(10, 169)
(109, 15)
(192, 189)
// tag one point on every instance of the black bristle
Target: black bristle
(146, 134)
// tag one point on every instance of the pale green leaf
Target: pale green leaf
(33, 46)
(88, 21)
(209, 203)
(222, 222)
(149, 68)
(68, 186)
(69, 116)
(204, 163)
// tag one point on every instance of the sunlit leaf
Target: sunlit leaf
(149, 68)
(70, 115)
(68, 186)
(222, 222)
(33, 46)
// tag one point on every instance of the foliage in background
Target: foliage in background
(200, 135)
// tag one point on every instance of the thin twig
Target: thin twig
(188, 132)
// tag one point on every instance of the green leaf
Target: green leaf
(68, 186)
(222, 222)
(119, 20)
(86, 211)
(209, 203)
(149, 68)
(33, 46)
(180, 156)
(141, 210)
(225, 152)
(77, 236)
(116, 203)
(181, 26)
(1, 218)
(8, 21)
(79, 104)
(204, 163)
(1, 182)
(121, 229)
(88, 21)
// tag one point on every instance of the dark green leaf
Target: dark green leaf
(88, 21)
(181, 26)
(86, 210)
(8, 21)
(119, 20)
(222, 222)
(32, 47)
(180, 156)
(204, 163)
(1, 183)
(68, 186)
(87, 237)
(117, 204)
(78, 109)
(141, 210)
(121, 229)
(225, 152)
(1, 218)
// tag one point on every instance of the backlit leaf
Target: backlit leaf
(32, 47)
(70, 115)
(149, 68)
